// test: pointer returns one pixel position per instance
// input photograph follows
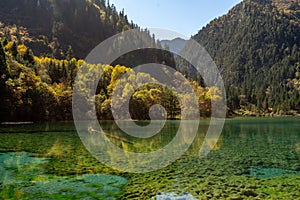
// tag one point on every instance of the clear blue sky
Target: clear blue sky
(185, 17)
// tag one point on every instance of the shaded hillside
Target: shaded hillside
(72, 28)
(256, 46)
(53, 26)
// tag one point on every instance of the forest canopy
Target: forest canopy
(40, 88)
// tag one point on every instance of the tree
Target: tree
(70, 53)
(3, 64)
(3, 78)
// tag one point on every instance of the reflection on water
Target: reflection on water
(270, 146)
(247, 147)
(255, 140)
(131, 154)
(268, 142)
(141, 145)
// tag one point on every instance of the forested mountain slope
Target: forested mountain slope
(61, 27)
(257, 48)
(40, 88)
(42, 42)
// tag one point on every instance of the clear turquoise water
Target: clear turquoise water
(253, 158)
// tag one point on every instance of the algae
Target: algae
(22, 178)
(236, 168)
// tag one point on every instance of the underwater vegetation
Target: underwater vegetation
(22, 178)
(253, 159)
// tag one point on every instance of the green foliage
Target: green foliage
(3, 66)
(256, 46)
(3, 78)
(66, 29)
(40, 88)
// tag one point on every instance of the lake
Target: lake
(254, 158)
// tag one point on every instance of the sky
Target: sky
(183, 17)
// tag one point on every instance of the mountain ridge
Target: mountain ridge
(52, 26)
(256, 46)
(174, 45)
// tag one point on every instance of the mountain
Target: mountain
(257, 48)
(72, 28)
(42, 43)
(61, 27)
(176, 44)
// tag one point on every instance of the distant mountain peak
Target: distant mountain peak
(175, 45)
